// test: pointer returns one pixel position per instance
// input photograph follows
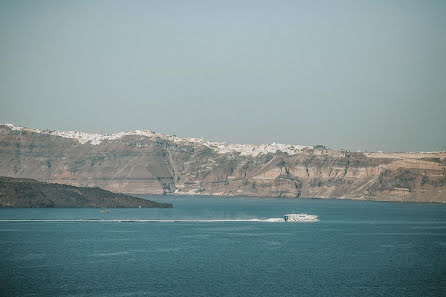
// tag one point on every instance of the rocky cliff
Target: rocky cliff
(23, 192)
(144, 162)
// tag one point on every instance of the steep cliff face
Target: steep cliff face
(143, 162)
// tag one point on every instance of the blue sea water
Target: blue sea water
(358, 248)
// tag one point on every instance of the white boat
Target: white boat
(300, 217)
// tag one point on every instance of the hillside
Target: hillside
(19, 192)
(145, 162)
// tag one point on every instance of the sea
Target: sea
(358, 248)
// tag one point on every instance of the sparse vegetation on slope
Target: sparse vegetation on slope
(20, 192)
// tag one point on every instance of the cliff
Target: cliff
(19, 192)
(144, 162)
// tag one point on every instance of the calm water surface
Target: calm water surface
(357, 249)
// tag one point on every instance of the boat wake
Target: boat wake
(147, 221)
(286, 218)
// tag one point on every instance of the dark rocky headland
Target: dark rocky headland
(144, 162)
(21, 192)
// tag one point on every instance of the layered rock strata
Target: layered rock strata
(144, 162)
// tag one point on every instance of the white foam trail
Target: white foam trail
(270, 220)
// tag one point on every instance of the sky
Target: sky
(355, 75)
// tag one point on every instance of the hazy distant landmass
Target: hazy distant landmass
(145, 162)
(20, 192)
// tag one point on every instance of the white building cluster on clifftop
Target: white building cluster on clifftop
(219, 147)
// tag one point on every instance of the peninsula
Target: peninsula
(29, 193)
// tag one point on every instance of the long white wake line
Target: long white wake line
(144, 221)
(270, 220)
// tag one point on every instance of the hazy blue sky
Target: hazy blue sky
(367, 75)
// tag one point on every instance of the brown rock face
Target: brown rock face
(140, 164)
